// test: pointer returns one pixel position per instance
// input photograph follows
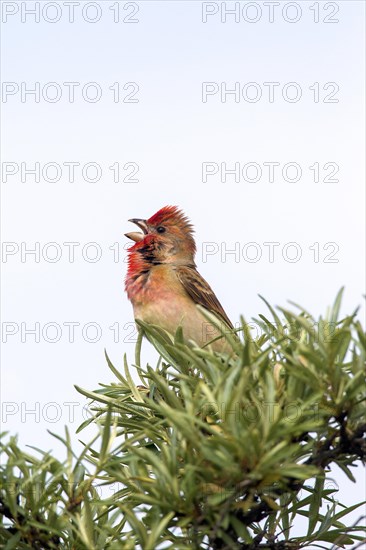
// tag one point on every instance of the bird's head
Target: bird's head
(166, 237)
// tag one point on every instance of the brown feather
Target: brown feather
(201, 292)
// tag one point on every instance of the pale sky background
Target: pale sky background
(165, 137)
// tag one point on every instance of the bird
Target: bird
(163, 284)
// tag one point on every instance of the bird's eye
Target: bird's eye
(161, 229)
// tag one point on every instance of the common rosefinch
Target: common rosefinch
(163, 284)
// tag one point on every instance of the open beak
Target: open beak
(136, 235)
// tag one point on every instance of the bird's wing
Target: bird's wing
(201, 292)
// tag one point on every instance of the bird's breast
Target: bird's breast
(156, 283)
(159, 298)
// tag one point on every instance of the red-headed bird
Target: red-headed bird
(163, 283)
